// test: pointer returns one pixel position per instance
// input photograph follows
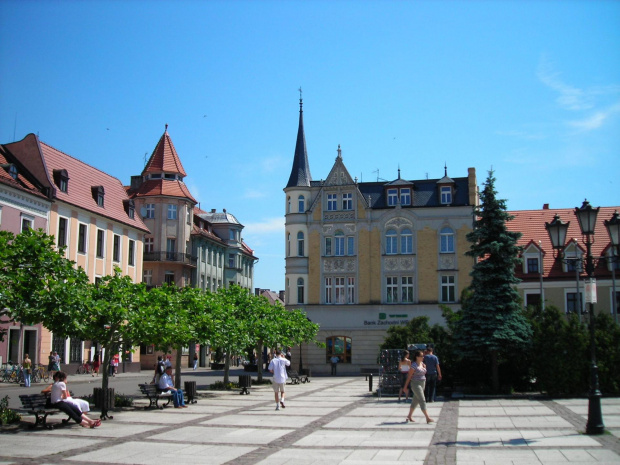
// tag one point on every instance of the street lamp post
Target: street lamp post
(586, 215)
(613, 229)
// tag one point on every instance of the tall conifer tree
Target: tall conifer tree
(492, 322)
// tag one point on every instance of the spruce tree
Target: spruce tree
(492, 323)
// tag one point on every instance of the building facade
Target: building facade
(186, 246)
(92, 216)
(560, 281)
(361, 257)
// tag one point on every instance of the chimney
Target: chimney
(545, 206)
(213, 210)
(281, 295)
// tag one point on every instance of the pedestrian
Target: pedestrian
(27, 367)
(433, 374)
(334, 361)
(168, 361)
(417, 378)
(195, 361)
(54, 363)
(115, 361)
(403, 368)
(160, 369)
(289, 357)
(277, 366)
(96, 364)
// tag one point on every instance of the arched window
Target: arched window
(446, 240)
(301, 204)
(300, 290)
(300, 244)
(339, 346)
(406, 241)
(339, 243)
(391, 246)
(288, 245)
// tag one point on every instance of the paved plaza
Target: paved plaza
(332, 420)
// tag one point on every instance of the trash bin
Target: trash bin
(245, 382)
(190, 391)
(104, 400)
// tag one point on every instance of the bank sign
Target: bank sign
(388, 319)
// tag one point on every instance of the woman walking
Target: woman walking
(27, 367)
(417, 378)
(403, 367)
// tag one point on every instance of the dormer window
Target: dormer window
(155, 176)
(98, 194)
(13, 171)
(446, 195)
(405, 196)
(130, 208)
(392, 197)
(61, 179)
(170, 176)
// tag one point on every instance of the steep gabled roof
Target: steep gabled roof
(166, 187)
(164, 158)
(24, 181)
(300, 173)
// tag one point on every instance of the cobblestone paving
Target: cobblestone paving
(331, 420)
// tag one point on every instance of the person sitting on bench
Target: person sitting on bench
(58, 399)
(166, 385)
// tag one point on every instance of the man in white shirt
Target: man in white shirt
(165, 384)
(277, 366)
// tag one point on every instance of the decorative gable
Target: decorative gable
(339, 175)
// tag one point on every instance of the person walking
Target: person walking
(417, 378)
(433, 374)
(403, 368)
(27, 367)
(277, 367)
(334, 361)
(195, 361)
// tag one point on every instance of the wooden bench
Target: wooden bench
(37, 405)
(154, 394)
(370, 371)
(296, 378)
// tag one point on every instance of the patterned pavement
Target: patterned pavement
(328, 421)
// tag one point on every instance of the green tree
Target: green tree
(38, 284)
(492, 324)
(416, 330)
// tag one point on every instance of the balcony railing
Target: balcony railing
(184, 258)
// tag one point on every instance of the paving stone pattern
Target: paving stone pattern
(331, 420)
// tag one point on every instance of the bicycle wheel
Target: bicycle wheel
(46, 376)
(80, 370)
(36, 376)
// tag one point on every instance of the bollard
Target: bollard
(370, 382)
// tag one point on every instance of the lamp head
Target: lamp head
(586, 215)
(613, 229)
(557, 230)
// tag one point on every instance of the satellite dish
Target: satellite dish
(143, 211)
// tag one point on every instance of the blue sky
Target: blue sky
(529, 89)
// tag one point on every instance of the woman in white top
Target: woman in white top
(58, 398)
(403, 369)
(83, 405)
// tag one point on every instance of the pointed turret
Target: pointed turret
(300, 174)
(164, 158)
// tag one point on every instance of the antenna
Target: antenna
(145, 154)
(377, 171)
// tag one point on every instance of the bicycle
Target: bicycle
(85, 368)
(40, 373)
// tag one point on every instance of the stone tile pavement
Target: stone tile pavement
(328, 421)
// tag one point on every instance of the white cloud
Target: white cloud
(570, 98)
(268, 226)
(595, 120)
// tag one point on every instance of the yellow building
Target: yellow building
(362, 256)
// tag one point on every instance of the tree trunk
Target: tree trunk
(177, 369)
(104, 368)
(226, 367)
(494, 371)
(259, 362)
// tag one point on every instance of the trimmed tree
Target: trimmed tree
(492, 323)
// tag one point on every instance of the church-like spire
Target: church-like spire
(300, 173)
(164, 158)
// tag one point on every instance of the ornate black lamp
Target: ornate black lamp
(613, 229)
(586, 215)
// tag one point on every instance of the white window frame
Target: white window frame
(391, 242)
(332, 202)
(301, 204)
(339, 290)
(149, 212)
(347, 201)
(406, 241)
(339, 244)
(447, 283)
(391, 289)
(300, 244)
(392, 197)
(446, 240)
(350, 290)
(172, 212)
(148, 277)
(405, 196)
(446, 195)
(406, 289)
(350, 245)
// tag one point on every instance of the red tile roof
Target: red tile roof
(164, 158)
(22, 182)
(82, 178)
(531, 223)
(168, 187)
